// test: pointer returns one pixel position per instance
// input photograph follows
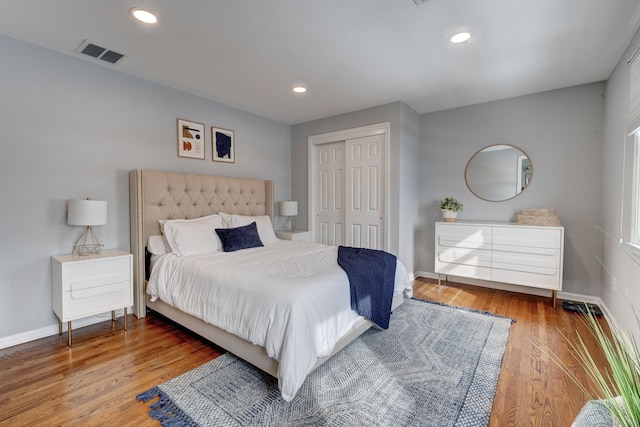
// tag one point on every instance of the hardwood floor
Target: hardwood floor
(532, 390)
(95, 382)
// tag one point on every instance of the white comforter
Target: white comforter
(290, 297)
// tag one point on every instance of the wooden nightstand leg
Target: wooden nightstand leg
(555, 297)
(59, 327)
(125, 318)
(113, 315)
(69, 333)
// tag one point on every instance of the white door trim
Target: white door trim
(325, 138)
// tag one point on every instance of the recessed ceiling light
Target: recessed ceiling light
(299, 89)
(143, 15)
(461, 37)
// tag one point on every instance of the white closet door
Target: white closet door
(330, 198)
(364, 192)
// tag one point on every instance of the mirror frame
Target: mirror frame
(466, 181)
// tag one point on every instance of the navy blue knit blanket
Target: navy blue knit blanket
(371, 280)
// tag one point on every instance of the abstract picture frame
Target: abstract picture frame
(223, 145)
(191, 139)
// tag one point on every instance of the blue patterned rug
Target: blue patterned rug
(435, 366)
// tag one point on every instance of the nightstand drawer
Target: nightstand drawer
(88, 288)
(98, 272)
(300, 235)
(88, 301)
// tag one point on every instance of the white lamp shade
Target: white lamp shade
(87, 212)
(289, 208)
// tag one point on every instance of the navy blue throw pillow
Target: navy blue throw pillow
(234, 239)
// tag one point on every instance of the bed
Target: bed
(157, 196)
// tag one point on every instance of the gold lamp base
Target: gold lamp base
(288, 226)
(87, 243)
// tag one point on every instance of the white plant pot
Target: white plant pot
(449, 216)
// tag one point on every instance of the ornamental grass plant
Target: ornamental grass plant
(617, 385)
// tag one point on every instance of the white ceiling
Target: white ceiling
(351, 54)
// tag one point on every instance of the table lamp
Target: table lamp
(288, 208)
(89, 213)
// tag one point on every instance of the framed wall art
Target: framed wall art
(223, 145)
(190, 139)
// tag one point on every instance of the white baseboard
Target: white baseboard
(487, 284)
(527, 290)
(580, 298)
(47, 331)
(515, 288)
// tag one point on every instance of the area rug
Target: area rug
(435, 366)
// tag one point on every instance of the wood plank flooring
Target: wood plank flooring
(95, 382)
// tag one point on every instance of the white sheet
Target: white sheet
(290, 297)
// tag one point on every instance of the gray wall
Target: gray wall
(409, 190)
(72, 129)
(617, 158)
(561, 131)
(404, 165)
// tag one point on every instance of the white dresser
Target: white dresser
(83, 286)
(505, 252)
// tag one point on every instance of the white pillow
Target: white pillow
(193, 237)
(226, 219)
(202, 218)
(265, 228)
(156, 245)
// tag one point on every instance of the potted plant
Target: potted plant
(450, 207)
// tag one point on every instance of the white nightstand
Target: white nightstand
(83, 286)
(301, 235)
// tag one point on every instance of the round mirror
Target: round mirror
(498, 172)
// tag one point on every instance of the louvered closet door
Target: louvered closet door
(364, 192)
(330, 194)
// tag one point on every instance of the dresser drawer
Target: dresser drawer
(550, 279)
(471, 257)
(463, 251)
(461, 236)
(534, 263)
(528, 240)
(463, 270)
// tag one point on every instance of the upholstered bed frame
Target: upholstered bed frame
(168, 195)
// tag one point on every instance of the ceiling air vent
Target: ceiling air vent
(93, 50)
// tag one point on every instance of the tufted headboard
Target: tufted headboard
(168, 195)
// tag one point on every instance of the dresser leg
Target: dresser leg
(69, 333)
(555, 298)
(59, 327)
(125, 318)
(113, 315)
